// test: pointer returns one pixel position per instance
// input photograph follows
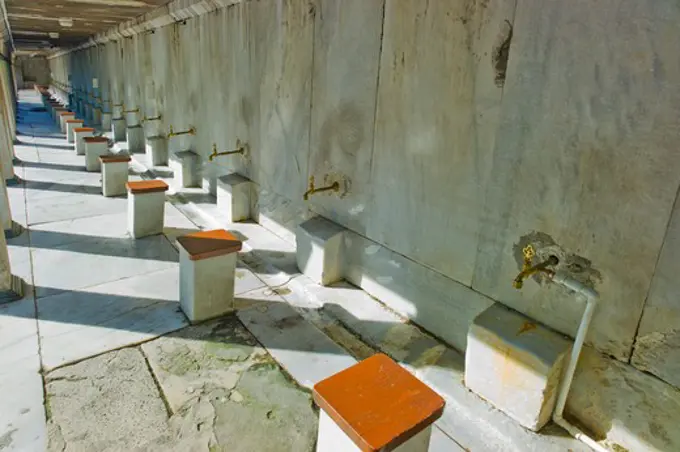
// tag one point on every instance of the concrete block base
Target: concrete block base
(135, 139)
(233, 197)
(319, 250)
(119, 129)
(146, 212)
(184, 165)
(157, 151)
(106, 122)
(94, 150)
(516, 364)
(114, 175)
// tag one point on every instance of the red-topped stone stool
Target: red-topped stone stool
(207, 267)
(146, 207)
(114, 174)
(64, 115)
(71, 125)
(375, 405)
(79, 133)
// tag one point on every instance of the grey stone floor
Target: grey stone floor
(209, 387)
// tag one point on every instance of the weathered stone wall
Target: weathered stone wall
(463, 130)
(32, 70)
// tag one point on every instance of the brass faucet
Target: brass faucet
(241, 149)
(528, 269)
(191, 131)
(312, 189)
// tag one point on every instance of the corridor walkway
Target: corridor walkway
(92, 291)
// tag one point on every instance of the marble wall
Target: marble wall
(459, 132)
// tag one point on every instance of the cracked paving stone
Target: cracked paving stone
(227, 394)
(107, 403)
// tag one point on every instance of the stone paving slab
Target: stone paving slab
(107, 403)
(222, 392)
(22, 418)
(303, 350)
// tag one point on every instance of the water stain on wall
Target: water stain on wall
(501, 53)
(343, 130)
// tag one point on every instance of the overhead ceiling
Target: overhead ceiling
(32, 21)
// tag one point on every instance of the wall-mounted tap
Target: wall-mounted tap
(191, 131)
(240, 149)
(335, 186)
(528, 269)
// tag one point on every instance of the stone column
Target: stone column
(10, 286)
(6, 135)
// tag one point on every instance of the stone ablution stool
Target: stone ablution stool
(65, 115)
(119, 129)
(233, 197)
(135, 139)
(157, 151)
(79, 135)
(106, 121)
(184, 165)
(146, 207)
(114, 174)
(71, 125)
(375, 405)
(207, 268)
(95, 147)
(319, 250)
(516, 364)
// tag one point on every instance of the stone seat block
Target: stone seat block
(233, 197)
(71, 125)
(135, 139)
(63, 116)
(114, 174)
(119, 129)
(106, 121)
(516, 364)
(157, 151)
(184, 165)
(95, 147)
(79, 134)
(146, 207)
(319, 250)
(207, 266)
(375, 405)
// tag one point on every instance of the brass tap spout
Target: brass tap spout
(312, 189)
(529, 270)
(240, 150)
(191, 131)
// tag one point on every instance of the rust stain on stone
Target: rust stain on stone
(526, 327)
